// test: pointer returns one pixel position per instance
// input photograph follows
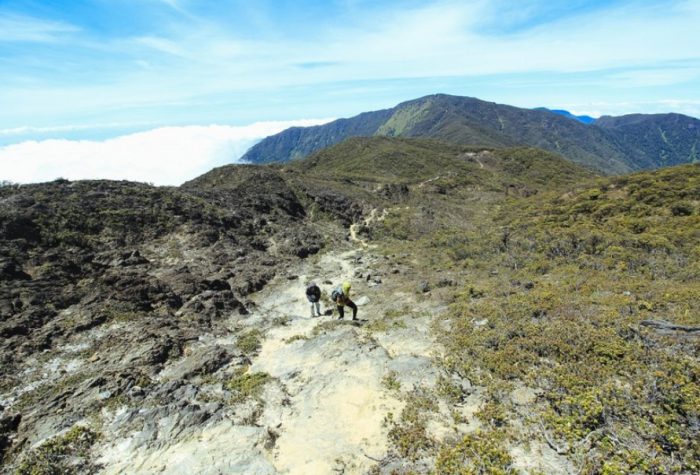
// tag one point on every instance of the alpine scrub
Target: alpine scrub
(613, 396)
(555, 272)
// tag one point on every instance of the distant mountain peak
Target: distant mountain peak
(610, 145)
(586, 119)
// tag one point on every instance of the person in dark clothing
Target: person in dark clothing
(313, 294)
(341, 295)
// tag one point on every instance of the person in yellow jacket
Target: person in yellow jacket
(341, 297)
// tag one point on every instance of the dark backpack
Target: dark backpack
(336, 294)
(313, 293)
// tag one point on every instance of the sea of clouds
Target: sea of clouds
(162, 156)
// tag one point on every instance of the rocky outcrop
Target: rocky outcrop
(113, 280)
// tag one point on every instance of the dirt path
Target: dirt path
(372, 218)
(324, 407)
(331, 380)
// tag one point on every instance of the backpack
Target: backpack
(336, 294)
(313, 293)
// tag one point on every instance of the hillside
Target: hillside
(656, 140)
(413, 161)
(299, 142)
(469, 121)
(558, 317)
(103, 283)
(505, 296)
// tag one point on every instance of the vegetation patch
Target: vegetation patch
(65, 454)
(247, 385)
(250, 341)
(408, 435)
(294, 338)
(51, 389)
(481, 453)
(556, 282)
(597, 261)
(324, 327)
(391, 382)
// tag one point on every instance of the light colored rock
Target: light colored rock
(413, 339)
(539, 457)
(221, 448)
(523, 396)
(412, 371)
(336, 402)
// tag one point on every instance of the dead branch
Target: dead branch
(667, 326)
(382, 461)
(559, 450)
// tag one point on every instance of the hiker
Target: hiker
(313, 294)
(341, 297)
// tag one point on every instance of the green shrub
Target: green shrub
(250, 342)
(247, 385)
(409, 435)
(682, 209)
(482, 453)
(391, 382)
(65, 454)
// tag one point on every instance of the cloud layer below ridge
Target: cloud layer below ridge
(163, 156)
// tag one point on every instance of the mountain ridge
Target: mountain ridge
(471, 121)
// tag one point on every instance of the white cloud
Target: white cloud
(188, 60)
(27, 129)
(21, 28)
(655, 77)
(163, 156)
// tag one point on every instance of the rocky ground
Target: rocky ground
(165, 330)
(262, 387)
(327, 389)
(153, 329)
(302, 394)
(102, 284)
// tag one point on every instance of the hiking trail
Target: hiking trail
(323, 409)
(355, 227)
(325, 405)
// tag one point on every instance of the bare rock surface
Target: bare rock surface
(322, 409)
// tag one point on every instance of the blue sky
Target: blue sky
(95, 70)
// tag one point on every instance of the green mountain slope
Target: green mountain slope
(299, 142)
(470, 121)
(411, 161)
(550, 315)
(551, 275)
(656, 140)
